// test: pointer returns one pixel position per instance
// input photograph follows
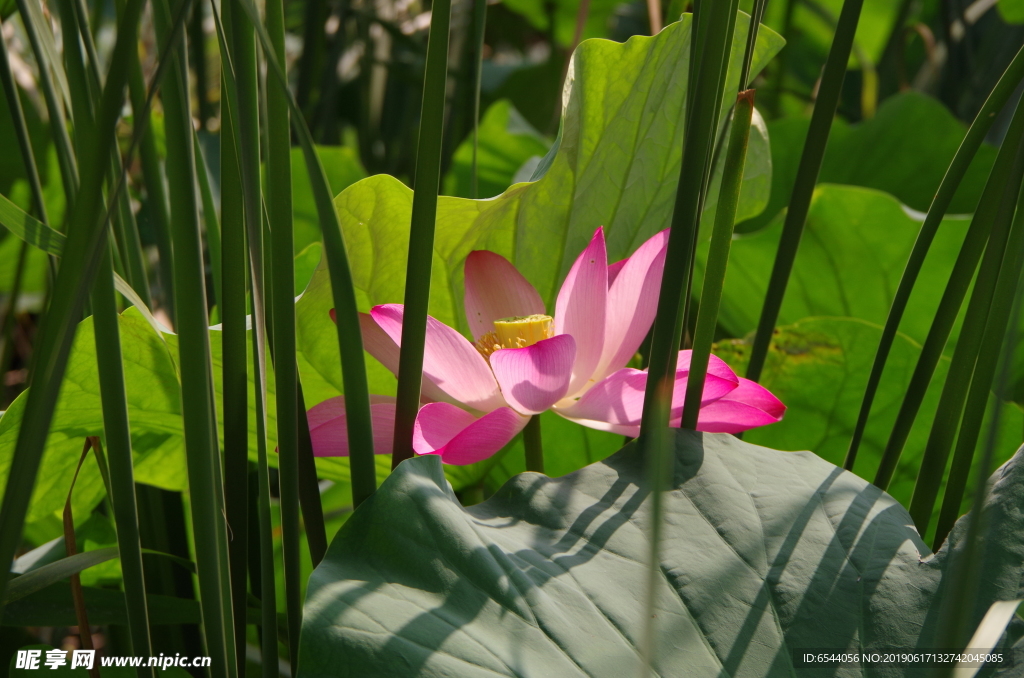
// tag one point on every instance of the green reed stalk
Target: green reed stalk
(45, 52)
(806, 177)
(210, 220)
(718, 256)
(479, 25)
(426, 183)
(28, 158)
(125, 228)
(756, 14)
(265, 536)
(961, 591)
(153, 177)
(713, 47)
(117, 430)
(74, 278)
(943, 197)
(232, 303)
(279, 211)
(235, 277)
(202, 454)
(984, 372)
(350, 343)
(309, 488)
(965, 356)
(952, 297)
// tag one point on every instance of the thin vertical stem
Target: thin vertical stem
(806, 178)
(231, 300)
(962, 370)
(309, 489)
(712, 46)
(119, 446)
(943, 197)
(953, 296)
(479, 26)
(718, 256)
(421, 237)
(533, 443)
(74, 278)
(279, 212)
(202, 454)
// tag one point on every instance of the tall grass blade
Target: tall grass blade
(231, 301)
(756, 15)
(421, 234)
(74, 278)
(45, 51)
(986, 636)
(961, 591)
(718, 255)
(210, 219)
(71, 549)
(712, 44)
(1000, 178)
(202, 454)
(119, 446)
(309, 489)
(943, 197)
(980, 310)
(978, 396)
(28, 158)
(357, 399)
(806, 177)
(479, 26)
(153, 177)
(279, 211)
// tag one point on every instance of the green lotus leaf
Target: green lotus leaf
(763, 553)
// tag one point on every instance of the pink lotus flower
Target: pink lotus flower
(478, 396)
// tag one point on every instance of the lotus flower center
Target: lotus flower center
(517, 332)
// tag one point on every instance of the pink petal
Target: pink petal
(619, 398)
(614, 269)
(449, 360)
(378, 344)
(580, 309)
(460, 437)
(496, 290)
(329, 431)
(748, 406)
(534, 378)
(632, 303)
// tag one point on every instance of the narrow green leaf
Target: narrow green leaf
(350, 342)
(43, 576)
(232, 303)
(810, 164)
(718, 255)
(279, 212)
(426, 183)
(1008, 264)
(74, 279)
(1005, 173)
(709, 61)
(963, 371)
(943, 197)
(200, 429)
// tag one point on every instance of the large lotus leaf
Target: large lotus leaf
(505, 141)
(819, 367)
(904, 150)
(763, 553)
(153, 408)
(854, 249)
(616, 164)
